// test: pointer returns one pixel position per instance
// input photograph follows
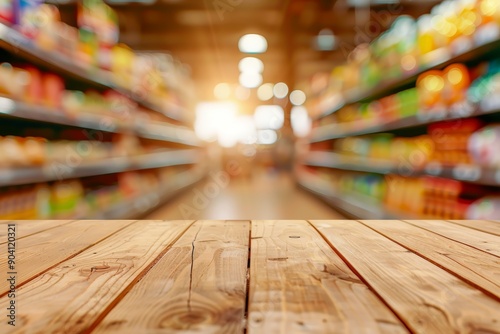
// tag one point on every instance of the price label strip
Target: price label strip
(467, 172)
(434, 168)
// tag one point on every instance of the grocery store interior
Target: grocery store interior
(262, 109)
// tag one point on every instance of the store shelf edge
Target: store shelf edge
(327, 132)
(462, 172)
(169, 132)
(64, 170)
(353, 205)
(141, 204)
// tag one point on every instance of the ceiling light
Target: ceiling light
(251, 64)
(325, 41)
(250, 80)
(252, 43)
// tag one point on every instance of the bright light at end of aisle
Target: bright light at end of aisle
(252, 43)
(222, 91)
(280, 90)
(265, 92)
(301, 122)
(250, 79)
(212, 118)
(297, 97)
(269, 117)
(251, 64)
(219, 121)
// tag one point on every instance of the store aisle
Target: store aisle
(266, 196)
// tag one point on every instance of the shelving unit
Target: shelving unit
(14, 42)
(173, 132)
(140, 205)
(352, 205)
(483, 46)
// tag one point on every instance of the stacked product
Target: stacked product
(94, 45)
(81, 198)
(431, 197)
(411, 45)
(36, 151)
(455, 91)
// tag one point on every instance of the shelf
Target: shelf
(70, 170)
(355, 206)
(15, 42)
(150, 130)
(437, 59)
(463, 172)
(139, 205)
(334, 131)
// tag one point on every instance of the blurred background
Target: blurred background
(239, 109)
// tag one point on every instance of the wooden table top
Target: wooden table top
(259, 276)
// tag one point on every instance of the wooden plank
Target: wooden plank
(490, 227)
(39, 252)
(25, 228)
(483, 241)
(472, 265)
(199, 286)
(71, 296)
(427, 298)
(298, 284)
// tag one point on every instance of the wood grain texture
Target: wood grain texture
(71, 296)
(427, 298)
(199, 286)
(299, 285)
(491, 227)
(474, 266)
(485, 242)
(45, 249)
(26, 228)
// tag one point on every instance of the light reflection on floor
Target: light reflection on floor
(265, 196)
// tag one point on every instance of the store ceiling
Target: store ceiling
(205, 33)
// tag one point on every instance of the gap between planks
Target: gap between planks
(480, 240)
(479, 269)
(34, 226)
(428, 299)
(57, 251)
(128, 253)
(298, 284)
(201, 281)
(492, 227)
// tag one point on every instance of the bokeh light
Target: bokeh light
(252, 43)
(280, 90)
(265, 92)
(297, 97)
(250, 80)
